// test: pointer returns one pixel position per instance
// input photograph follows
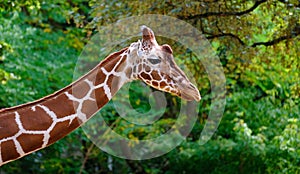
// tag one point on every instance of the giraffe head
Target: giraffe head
(154, 64)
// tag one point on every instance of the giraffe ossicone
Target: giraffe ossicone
(30, 127)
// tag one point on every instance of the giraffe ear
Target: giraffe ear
(167, 48)
(148, 34)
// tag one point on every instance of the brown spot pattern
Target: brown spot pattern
(80, 90)
(155, 75)
(89, 108)
(8, 126)
(35, 120)
(155, 83)
(121, 65)
(145, 76)
(114, 84)
(8, 151)
(61, 129)
(163, 84)
(36, 141)
(61, 106)
(98, 79)
(101, 98)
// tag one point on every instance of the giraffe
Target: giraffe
(32, 126)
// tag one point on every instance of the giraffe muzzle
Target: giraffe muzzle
(190, 92)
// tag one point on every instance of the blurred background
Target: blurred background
(257, 43)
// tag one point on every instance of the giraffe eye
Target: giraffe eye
(154, 61)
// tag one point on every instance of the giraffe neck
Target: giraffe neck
(33, 126)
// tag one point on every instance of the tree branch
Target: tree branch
(268, 43)
(233, 13)
(224, 35)
(86, 157)
(294, 33)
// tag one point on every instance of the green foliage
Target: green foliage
(4, 50)
(38, 69)
(259, 131)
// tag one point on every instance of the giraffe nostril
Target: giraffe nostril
(192, 86)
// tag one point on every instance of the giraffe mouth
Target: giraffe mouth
(190, 93)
